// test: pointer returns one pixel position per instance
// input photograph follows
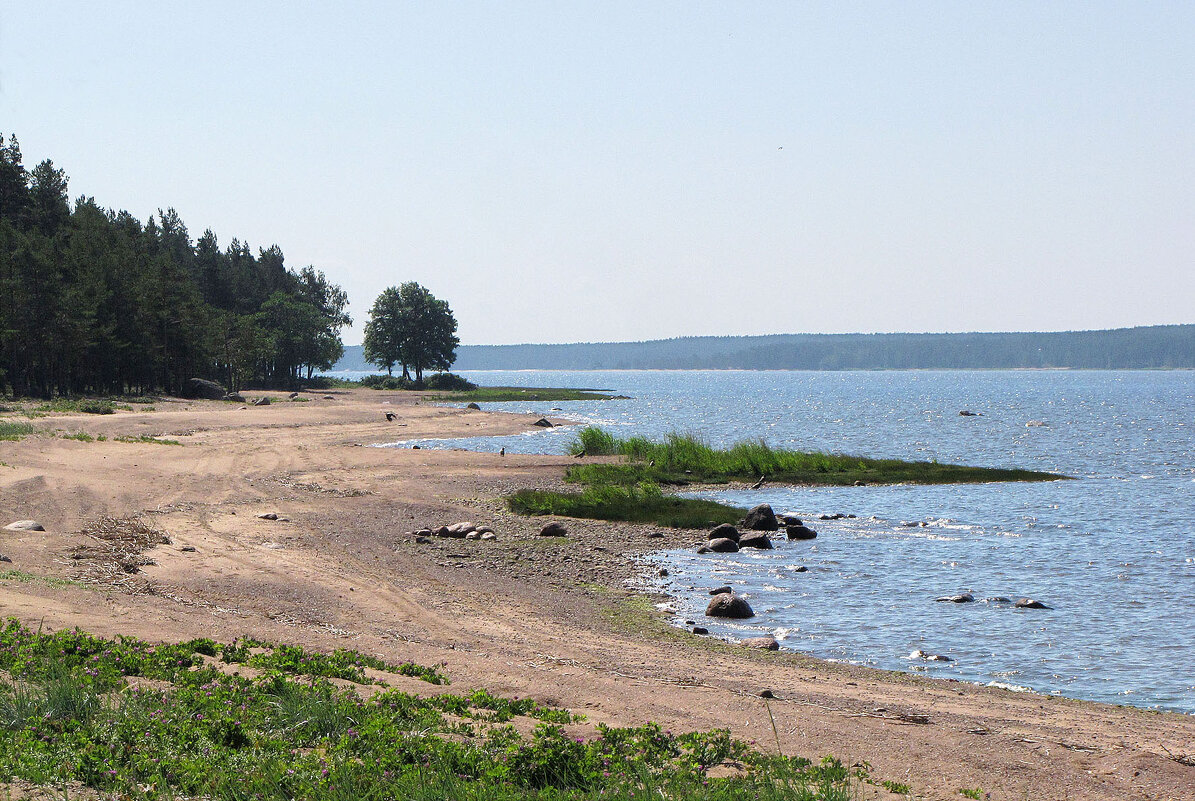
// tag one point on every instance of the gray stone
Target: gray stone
(961, 598)
(25, 525)
(700, 630)
(727, 604)
(474, 407)
(542, 422)
(489, 535)
(4, 558)
(720, 590)
(723, 545)
(725, 532)
(202, 388)
(261, 402)
(761, 643)
(800, 532)
(1029, 603)
(761, 518)
(553, 529)
(756, 540)
(268, 516)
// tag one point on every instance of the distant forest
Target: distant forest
(94, 301)
(1168, 346)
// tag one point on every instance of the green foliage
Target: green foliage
(410, 327)
(146, 438)
(594, 441)
(641, 503)
(68, 714)
(386, 382)
(971, 792)
(83, 436)
(682, 459)
(14, 430)
(449, 382)
(124, 307)
(502, 394)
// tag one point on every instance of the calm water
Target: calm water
(1113, 553)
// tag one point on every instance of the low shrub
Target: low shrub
(449, 382)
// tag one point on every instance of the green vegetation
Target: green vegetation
(411, 327)
(681, 460)
(541, 394)
(32, 578)
(630, 490)
(973, 792)
(146, 438)
(93, 301)
(69, 713)
(83, 436)
(14, 430)
(643, 503)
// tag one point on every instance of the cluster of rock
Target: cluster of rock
(461, 531)
(966, 598)
(759, 520)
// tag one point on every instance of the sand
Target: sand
(551, 619)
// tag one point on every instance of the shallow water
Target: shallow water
(1112, 553)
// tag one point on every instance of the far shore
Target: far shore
(548, 618)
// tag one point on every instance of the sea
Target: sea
(1110, 552)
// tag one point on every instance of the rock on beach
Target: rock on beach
(761, 518)
(727, 604)
(724, 532)
(25, 525)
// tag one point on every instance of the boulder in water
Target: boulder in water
(723, 545)
(755, 540)
(542, 422)
(1029, 603)
(761, 518)
(961, 598)
(474, 407)
(727, 604)
(800, 532)
(725, 532)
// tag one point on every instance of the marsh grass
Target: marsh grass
(67, 714)
(498, 394)
(682, 459)
(640, 503)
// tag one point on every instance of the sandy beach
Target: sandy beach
(547, 618)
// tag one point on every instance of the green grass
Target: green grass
(82, 405)
(640, 503)
(146, 438)
(13, 430)
(541, 394)
(83, 436)
(32, 578)
(69, 714)
(680, 460)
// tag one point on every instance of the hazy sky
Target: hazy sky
(564, 171)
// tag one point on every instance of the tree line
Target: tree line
(94, 301)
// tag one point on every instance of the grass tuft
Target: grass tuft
(12, 430)
(642, 503)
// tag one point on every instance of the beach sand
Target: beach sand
(546, 618)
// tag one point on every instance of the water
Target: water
(1112, 553)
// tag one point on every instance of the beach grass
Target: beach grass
(639, 503)
(682, 459)
(71, 711)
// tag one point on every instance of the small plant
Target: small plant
(83, 436)
(146, 438)
(12, 430)
(975, 793)
(896, 787)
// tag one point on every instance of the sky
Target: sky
(613, 171)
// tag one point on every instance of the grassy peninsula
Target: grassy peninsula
(630, 489)
(136, 720)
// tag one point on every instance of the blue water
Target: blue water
(1112, 553)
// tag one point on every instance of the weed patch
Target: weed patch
(67, 714)
(12, 430)
(640, 503)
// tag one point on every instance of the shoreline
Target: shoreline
(550, 620)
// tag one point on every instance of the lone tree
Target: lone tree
(410, 327)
